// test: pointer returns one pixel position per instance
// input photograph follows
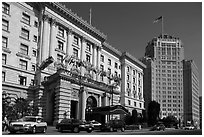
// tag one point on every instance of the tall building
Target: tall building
(191, 92)
(163, 57)
(62, 64)
(200, 111)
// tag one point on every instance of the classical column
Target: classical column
(98, 61)
(77, 110)
(83, 103)
(52, 37)
(69, 42)
(99, 101)
(83, 47)
(45, 38)
(94, 60)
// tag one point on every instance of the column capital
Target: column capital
(83, 39)
(53, 22)
(46, 18)
(69, 32)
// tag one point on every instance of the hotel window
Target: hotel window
(3, 76)
(76, 40)
(116, 65)
(59, 58)
(22, 80)
(5, 25)
(129, 102)
(26, 18)
(36, 24)
(134, 81)
(4, 42)
(109, 62)
(60, 45)
(140, 105)
(135, 104)
(75, 52)
(4, 58)
(128, 77)
(102, 58)
(61, 32)
(5, 8)
(88, 47)
(34, 53)
(33, 67)
(101, 67)
(23, 64)
(35, 38)
(134, 72)
(128, 69)
(88, 58)
(24, 49)
(32, 83)
(116, 73)
(25, 33)
(109, 71)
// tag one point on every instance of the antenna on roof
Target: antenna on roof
(90, 16)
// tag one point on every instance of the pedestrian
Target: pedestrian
(5, 124)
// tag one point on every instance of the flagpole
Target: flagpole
(162, 27)
(90, 16)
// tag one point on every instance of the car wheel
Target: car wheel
(111, 129)
(89, 130)
(34, 130)
(122, 129)
(76, 130)
(44, 130)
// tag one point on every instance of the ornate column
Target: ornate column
(52, 37)
(94, 60)
(83, 103)
(69, 42)
(98, 61)
(45, 38)
(83, 47)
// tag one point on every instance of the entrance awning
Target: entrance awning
(117, 109)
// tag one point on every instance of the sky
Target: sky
(129, 25)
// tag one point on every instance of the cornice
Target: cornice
(74, 17)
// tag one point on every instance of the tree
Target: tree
(153, 113)
(170, 121)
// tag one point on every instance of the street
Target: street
(52, 131)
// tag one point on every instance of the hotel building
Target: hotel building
(35, 33)
(164, 75)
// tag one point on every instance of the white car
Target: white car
(31, 124)
(96, 124)
(189, 127)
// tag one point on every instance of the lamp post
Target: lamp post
(6, 100)
(89, 111)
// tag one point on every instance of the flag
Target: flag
(158, 19)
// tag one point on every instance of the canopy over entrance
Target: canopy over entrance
(107, 110)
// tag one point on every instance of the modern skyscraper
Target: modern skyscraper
(191, 92)
(163, 57)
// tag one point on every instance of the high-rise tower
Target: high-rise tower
(166, 53)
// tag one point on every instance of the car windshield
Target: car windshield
(29, 119)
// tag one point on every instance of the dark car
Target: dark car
(158, 127)
(74, 125)
(113, 125)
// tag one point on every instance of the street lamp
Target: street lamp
(6, 100)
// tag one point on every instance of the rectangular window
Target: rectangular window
(88, 47)
(3, 58)
(3, 76)
(35, 38)
(116, 65)
(25, 33)
(109, 62)
(60, 45)
(61, 32)
(22, 80)
(32, 83)
(109, 71)
(34, 53)
(4, 42)
(23, 64)
(26, 18)
(76, 40)
(101, 67)
(75, 52)
(5, 8)
(36, 24)
(24, 49)
(5, 25)
(59, 58)
(33, 67)
(88, 58)
(129, 102)
(102, 58)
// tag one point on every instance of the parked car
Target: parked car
(158, 127)
(74, 125)
(189, 127)
(113, 125)
(31, 124)
(96, 124)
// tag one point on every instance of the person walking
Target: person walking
(5, 124)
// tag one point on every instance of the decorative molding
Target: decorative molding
(6, 50)
(23, 55)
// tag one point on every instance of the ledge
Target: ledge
(24, 56)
